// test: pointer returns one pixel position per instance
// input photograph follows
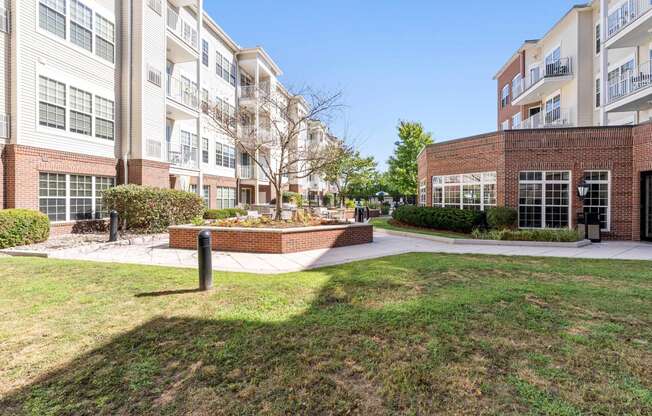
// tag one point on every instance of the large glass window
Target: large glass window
(475, 191)
(224, 155)
(597, 200)
(504, 96)
(52, 16)
(204, 52)
(80, 114)
(544, 199)
(81, 25)
(553, 109)
(225, 197)
(105, 114)
(105, 38)
(52, 103)
(204, 150)
(65, 197)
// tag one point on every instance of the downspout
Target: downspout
(127, 153)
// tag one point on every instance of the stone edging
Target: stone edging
(467, 241)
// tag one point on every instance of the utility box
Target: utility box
(589, 227)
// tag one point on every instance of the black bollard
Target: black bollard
(113, 226)
(205, 260)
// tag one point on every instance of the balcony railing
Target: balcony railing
(253, 92)
(558, 117)
(629, 82)
(182, 91)
(246, 172)
(182, 154)
(626, 15)
(5, 126)
(263, 134)
(184, 30)
(559, 68)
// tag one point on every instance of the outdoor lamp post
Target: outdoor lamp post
(582, 192)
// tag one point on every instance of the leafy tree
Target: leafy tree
(349, 171)
(403, 167)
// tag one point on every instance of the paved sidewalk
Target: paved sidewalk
(158, 253)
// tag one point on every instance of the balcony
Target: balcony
(183, 41)
(631, 91)
(251, 94)
(247, 172)
(183, 99)
(182, 153)
(262, 135)
(557, 118)
(625, 26)
(542, 81)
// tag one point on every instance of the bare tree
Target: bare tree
(274, 133)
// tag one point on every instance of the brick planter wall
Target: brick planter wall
(273, 241)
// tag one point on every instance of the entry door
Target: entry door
(646, 212)
(245, 195)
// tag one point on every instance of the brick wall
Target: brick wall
(146, 172)
(273, 242)
(625, 151)
(2, 177)
(214, 182)
(514, 68)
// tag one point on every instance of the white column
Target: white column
(604, 61)
(200, 20)
(257, 155)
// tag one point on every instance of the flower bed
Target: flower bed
(274, 240)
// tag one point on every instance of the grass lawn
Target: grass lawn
(412, 334)
(384, 223)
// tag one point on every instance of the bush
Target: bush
(384, 208)
(501, 218)
(328, 200)
(452, 219)
(349, 203)
(220, 214)
(549, 235)
(150, 210)
(19, 227)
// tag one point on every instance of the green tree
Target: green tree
(403, 167)
(350, 172)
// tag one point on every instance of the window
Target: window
(504, 96)
(72, 197)
(553, 109)
(517, 84)
(422, 192)
(224, 155)
(80, 111)
(218, 64)
(155, 5)
(597, 93)
(225, 198)
(52, 102)
(597, 39)
(516, 121)
(544, 199)
(206, 195)
(475, 191)
(204, 52)
(52, 16)
(81, 25)
(204, 150)
(104, 117)
(4, 16)
(233, 73)
(597, 200)
(505, 125)
(105, 38)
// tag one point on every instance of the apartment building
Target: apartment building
(94, 93)
(557, 81)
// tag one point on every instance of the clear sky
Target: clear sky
(428, 61)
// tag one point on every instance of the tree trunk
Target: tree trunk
(279, 204)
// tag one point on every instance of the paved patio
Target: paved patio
(158, 253)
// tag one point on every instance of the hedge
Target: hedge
(19, 227)
(501, 218)
(147, 209)
(451, 219)
(220, 214)
(549, 235)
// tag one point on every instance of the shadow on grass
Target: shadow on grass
(167, 293)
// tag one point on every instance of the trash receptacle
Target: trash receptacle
(589, 227)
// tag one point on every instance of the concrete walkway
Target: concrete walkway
(158, 253)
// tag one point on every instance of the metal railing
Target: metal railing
(182, 91)
(5, 125)
(182, 154)
(559, 68)
(263, 134)
(558, 117)
(246, 172)
(184, 30)
(629, 82)
(626, 14)
(254, 91)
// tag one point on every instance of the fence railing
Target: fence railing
(182, 154)
(254, 91)
(182, 91)
(246, 172)
(183, 29)
(629, 82)
(625, 15)
(559, 68)
(558, 117)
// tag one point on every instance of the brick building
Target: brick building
(537, 172)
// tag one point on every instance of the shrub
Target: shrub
(328, 199)
(452, 219)
(19, 227)
(501, 218)
(384, 208)
(148, 209)
(549, 235)
(349, 203)
(220, 214)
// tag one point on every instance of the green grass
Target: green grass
(388, 224)
(411, 334)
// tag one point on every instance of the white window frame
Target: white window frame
(543, 183)
(504, 96)
(486, 178)
(422, 192)
(609, 192)
(516, 120)
(5, 16)
(68, 196)
(219, 197)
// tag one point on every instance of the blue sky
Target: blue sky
(428, 61)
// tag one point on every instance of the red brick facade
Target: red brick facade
(505, 78)
(624, 151)
(274, 241)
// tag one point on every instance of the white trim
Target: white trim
(483, 182)
(609, 194)
(543, 205)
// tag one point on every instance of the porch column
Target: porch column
(604, 62)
